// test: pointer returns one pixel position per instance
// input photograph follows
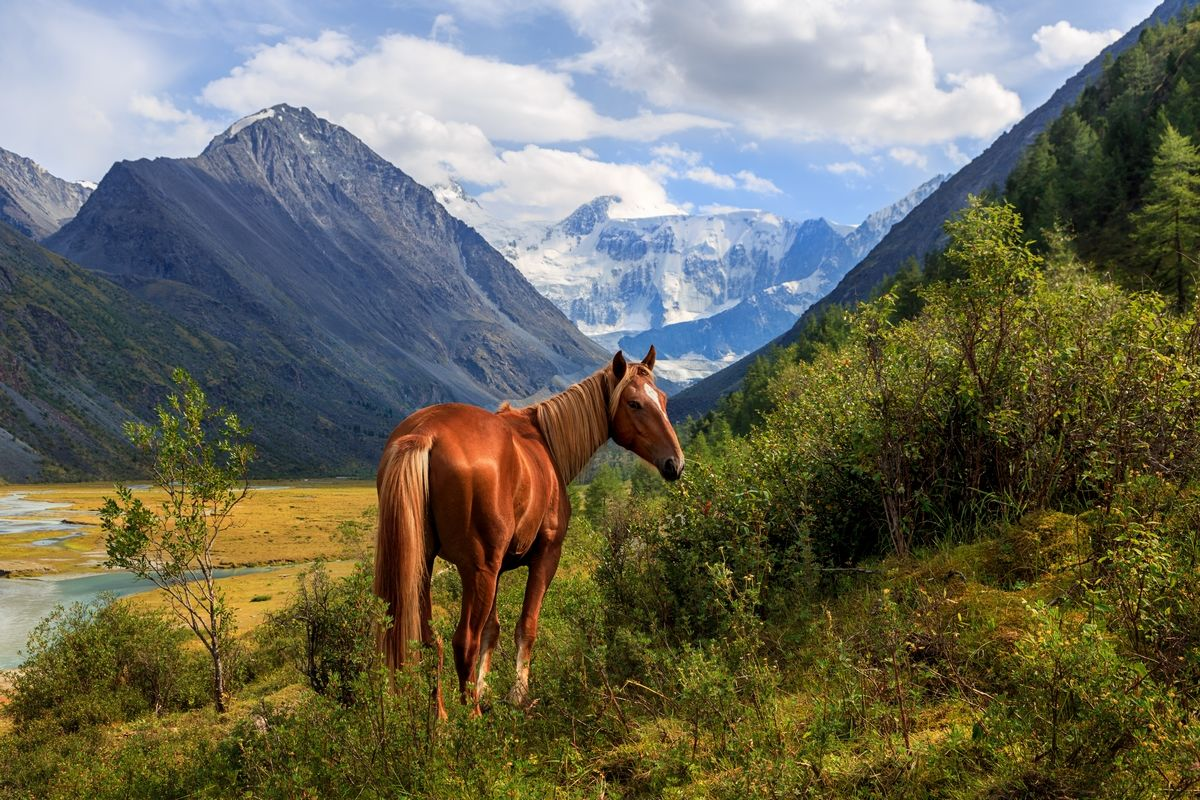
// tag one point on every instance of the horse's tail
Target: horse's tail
(400, 568)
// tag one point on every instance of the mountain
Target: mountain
(79, 357)
(921, 231)
(292, 240)
(704, 289)
(32, 200)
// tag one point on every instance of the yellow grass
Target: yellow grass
(291, 526)
(241, 591)
(272, 526)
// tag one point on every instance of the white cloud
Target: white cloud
(400, 74)
(533, 182)
(673, 161)
(710, 177)
(1063, 45)
(540, 183)
(438, 113)
(443, 27)
(846, 168)
(84, 90)
(909, 157)
(753, 183)
(673, 152)
(156, 109)
(957, 157)
(863, 72)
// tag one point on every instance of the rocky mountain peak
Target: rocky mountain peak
(32, 200)
(584, 219)
(278, 119)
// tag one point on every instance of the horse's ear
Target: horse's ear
(648, 361)
(618, 366)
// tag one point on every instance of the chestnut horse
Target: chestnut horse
(488, 493)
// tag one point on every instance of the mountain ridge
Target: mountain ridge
(33, 201)
(921, 231)
(323, 246)
(703, 288)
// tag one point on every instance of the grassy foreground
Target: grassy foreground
(969, 671)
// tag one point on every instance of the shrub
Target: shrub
(327, 628)
(105, 661)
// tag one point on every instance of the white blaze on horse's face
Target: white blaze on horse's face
(649, 391)
(640, 423)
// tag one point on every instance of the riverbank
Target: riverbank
(52, 548)
(54, 529)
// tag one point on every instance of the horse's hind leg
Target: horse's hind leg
(491, 633)
(541, 572)
(428, 637)
(479, 592)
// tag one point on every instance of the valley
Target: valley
(52, 548)
(938, 535)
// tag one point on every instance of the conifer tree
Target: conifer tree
(1168, 225)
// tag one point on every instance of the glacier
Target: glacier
(705, 289)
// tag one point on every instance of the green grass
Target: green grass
(925, 678)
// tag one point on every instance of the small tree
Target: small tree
(1168, 224)
(173, 547)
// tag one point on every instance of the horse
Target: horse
(488, 493)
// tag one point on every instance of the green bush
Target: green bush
(327, 628)
(105, 661)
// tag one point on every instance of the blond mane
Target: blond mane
(575, 422)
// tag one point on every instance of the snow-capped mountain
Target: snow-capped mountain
(704, 289)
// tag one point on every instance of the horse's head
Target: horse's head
(637, 412)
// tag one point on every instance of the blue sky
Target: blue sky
(804, 108)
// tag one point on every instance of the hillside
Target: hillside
(1118, 168)
(82, 356)
(920, 233)
(921, 578)
(292, 240)
(33, 201)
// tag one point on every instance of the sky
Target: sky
(803, 108)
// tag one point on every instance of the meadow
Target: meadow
(957, 556)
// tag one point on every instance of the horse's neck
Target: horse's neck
(574, 424)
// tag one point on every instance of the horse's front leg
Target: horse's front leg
(541, 571)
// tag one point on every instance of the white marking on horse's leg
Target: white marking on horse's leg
(486, 645)
(519, 695)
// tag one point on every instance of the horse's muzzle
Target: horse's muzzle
(671, 469)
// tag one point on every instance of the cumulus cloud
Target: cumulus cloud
(541, 183)
(863, 72)
(673, 161)
(528, 183)
(83, 90)
(753, 183)
(443, 27)
(909, 157)
(440, 113)
(957, 157)
(400, 74)
(846, 168)
(1064, 45)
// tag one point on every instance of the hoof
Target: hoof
(519, 697)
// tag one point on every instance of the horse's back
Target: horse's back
(491, 481)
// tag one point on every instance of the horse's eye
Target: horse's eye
(635, 405)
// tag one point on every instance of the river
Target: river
(25, 601)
